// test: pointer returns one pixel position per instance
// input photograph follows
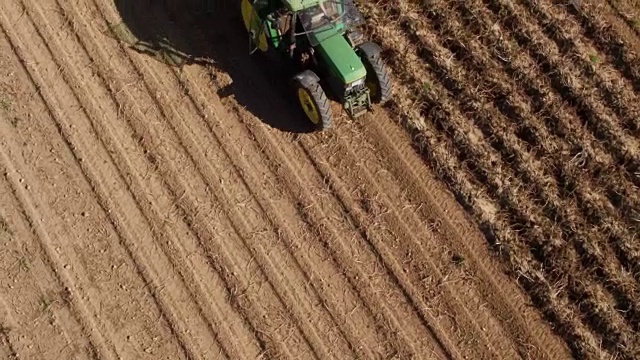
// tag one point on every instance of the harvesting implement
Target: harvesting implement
(321, 43)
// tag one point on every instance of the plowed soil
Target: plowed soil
(160, 197)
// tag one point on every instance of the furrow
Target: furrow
(40, 304)
(304, 206)
(326, 221)
(207, 230)
(149, 189)
(379, 212)
(376, 238)
(245, 210)
(206, 173)
(285, 220)
(89, 106)
(289, 206)
(32, 209)
(64, 194)
(284, 157)
(83, 155)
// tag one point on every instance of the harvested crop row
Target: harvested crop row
(400, 328)
(468, 188)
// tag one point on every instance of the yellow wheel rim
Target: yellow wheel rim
(247, 14)
(252, 23)
(309, 106)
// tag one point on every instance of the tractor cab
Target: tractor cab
(286, 22)
(321, 40)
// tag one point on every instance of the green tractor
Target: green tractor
(323, 47)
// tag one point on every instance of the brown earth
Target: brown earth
(529, 111)
(160, 199)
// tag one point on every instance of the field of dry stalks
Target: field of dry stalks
(530, 112)
(160, 200)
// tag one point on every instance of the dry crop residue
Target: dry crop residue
(529, 111)
(158, 211)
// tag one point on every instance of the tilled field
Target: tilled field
(155, 209)
(529, 111)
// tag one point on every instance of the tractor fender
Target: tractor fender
(370, 49)
(307, 77)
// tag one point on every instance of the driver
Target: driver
(283, 20)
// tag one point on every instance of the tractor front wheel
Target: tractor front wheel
(377, 79)
(313, 100)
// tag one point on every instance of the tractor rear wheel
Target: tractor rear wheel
(313, 100)
(377, 80)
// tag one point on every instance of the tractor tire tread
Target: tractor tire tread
(324, 106)
(372, 52)
(310, 81)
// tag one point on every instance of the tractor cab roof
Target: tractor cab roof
(297, 5)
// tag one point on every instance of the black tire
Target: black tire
(317, 103)
(377, 80)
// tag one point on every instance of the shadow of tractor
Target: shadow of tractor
(211, 33)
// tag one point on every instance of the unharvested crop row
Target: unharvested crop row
(622, 239)
(618, 188)
(629, 11)
(566, 34)
(556, 151)
(553, 153)
(529, 38)
(455, 161)
(587, 200)
(539, 190)
(473, 156)
(581, 152)
(606, 38)
(564, 77)
(600, 77)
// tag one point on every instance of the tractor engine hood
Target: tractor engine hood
(341, 58)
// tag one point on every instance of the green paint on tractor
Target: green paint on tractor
(341, 58)
(297, 5)
(322, 42)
